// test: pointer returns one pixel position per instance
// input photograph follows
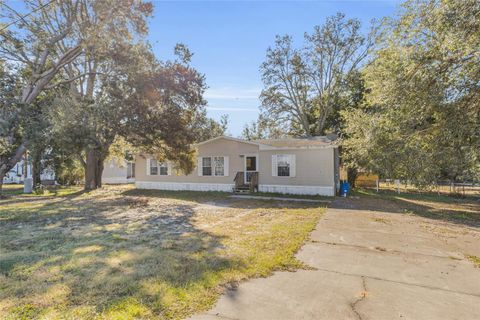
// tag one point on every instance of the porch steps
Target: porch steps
(241, 189)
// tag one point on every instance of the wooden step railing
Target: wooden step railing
(240, 182)
(254, 181)
(239, 179)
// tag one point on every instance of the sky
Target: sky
(229, 40)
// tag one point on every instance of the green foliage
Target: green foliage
(39, 189)
(262, 129)
(68, 170)
(11, 124)
(422, 121)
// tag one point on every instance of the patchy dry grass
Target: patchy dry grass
(120, 253)
(475, 260)
(463, 211)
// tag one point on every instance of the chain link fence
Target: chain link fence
(440, 187)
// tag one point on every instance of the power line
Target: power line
(26, 15)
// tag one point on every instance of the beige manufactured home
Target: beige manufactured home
(118, 172)
(289, 166)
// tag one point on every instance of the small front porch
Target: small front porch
(246, 182)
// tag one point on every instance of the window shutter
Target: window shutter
(199, 165)
(274, 166)
(148, 166)
(225, 166)
(292, 165)
(169, 168)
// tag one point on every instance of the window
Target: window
(251, 163)
(153, 167)
(219, 164)
(283, 165)
(163, 169)
(213, 166)
(156, 168)
(207, 166)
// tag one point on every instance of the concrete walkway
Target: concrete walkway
(369, 265)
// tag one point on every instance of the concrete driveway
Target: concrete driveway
(369, 265)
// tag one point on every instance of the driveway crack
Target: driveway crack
(363, 296)
(220, 316)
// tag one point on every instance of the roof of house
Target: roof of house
(315, 142)
(227, 138)
(297, 142)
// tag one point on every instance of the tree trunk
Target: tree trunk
(99, 171)
(1, 185)
(352, 174)
(93, 169)
(36, 168)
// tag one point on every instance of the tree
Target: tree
(10, 117)
(261, 129)
(162, 111)
(302, 86)
(206, 128)
(423, 119)
(33, 48)
(158, 107)
(54, 34)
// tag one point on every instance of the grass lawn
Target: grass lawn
(121, 253)
(459, 210)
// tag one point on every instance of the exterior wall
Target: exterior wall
(17, 174)
(288, 189)
(221, 147)
(314, 167)
(315, 172)
(115, 173)
(336, 168)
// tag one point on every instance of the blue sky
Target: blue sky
(229, 40)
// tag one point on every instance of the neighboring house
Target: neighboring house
(117, 172)
(290, 166)
(19, 172)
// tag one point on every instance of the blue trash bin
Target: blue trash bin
(344, 188)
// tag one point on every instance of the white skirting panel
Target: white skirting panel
(191, 186)
(286, 189)
(117, 180)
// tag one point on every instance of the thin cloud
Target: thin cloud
(232, 93)
(231, 109)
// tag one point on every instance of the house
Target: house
(118, 171)
(289, 166)
(21, 171)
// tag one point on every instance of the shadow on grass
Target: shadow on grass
(461, 211)
(84, 252)
(18, 196)
(221, 198)
(138, 251)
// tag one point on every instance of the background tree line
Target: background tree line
(404, 98)
(78, 76)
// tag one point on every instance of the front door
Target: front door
(250, 166)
